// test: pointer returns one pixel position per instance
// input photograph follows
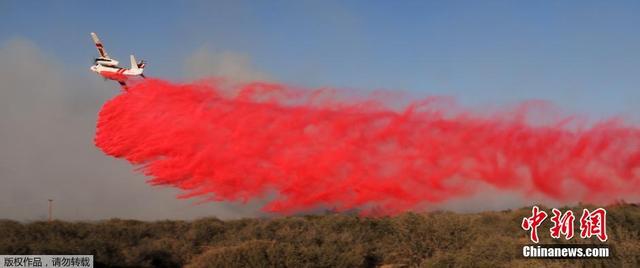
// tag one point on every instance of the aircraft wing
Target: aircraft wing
(99, 46)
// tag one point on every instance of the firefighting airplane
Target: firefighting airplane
(109, 69)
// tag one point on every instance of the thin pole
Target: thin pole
(50, 210)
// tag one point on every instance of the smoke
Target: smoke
(231, 65)
(311, 149)
(48, 113)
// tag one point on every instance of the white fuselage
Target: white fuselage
(106, 62)
(114, 72)
(108, 67)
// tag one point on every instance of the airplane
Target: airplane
(108, 68)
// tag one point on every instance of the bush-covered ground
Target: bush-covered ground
(438, 239)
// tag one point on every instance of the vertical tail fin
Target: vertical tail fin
(134, 63)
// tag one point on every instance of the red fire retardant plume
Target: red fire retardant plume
(306, 149)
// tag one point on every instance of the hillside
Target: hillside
(486, 239)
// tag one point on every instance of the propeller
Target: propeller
(142, 64)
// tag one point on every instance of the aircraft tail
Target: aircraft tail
(134, 63)
(137, 67)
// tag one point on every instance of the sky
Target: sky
(580, 54)
(583, 56)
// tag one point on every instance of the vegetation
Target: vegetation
(438, 239)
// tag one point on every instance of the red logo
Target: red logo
(533, 222)
(594, 223)
(591, 223)
(562, 224)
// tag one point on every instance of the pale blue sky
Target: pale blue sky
(582, 55)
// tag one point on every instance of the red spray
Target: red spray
(308, 149)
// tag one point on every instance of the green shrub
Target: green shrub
(438, 239)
